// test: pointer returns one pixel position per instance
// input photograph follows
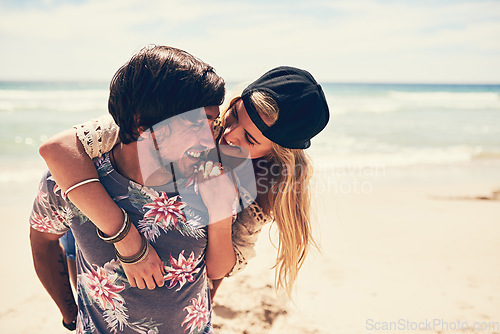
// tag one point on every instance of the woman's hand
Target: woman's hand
(217, 191)
(147, 273)
(219, 194)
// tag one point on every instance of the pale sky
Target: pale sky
(337, 41)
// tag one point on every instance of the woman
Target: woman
(274, 119)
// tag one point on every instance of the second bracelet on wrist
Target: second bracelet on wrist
(139, 256)
(122, 233)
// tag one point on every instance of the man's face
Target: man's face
(181, 140)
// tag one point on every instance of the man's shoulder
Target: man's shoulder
(103, 165)
(50, 189)
(47, 180)
(51, 212)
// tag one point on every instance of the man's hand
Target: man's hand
(52, 270)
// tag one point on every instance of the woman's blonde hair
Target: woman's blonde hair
(289, 199)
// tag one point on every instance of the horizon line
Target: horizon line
(235, 82)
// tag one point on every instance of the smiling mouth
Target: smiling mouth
(196, 152)
(193, 154)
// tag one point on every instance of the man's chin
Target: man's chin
(185, 168)
(157, 178)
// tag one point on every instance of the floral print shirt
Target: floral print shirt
(178, 232)
(100, 135)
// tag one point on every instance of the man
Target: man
(157, 84)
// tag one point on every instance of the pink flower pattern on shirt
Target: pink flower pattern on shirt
(57, 190)
(42, 197)
(41, 223)
(103, 289)
(165, 211)
(182, 270)
(198, 314)
(100, 286)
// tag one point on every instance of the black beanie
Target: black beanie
(303, 111)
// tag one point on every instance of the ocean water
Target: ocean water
(397, 126)
(402, 125)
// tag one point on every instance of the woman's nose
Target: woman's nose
(231, 134)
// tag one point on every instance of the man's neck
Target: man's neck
(126, 162)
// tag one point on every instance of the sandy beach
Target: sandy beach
(406, 188)
(408, 254)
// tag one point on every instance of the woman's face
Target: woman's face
(241, 134)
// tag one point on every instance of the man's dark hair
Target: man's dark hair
(157, 83)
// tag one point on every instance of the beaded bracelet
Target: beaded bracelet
(121, 234)
(140, 256)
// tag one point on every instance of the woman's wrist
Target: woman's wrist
(114, 221)
(129, 245)
(224, 224)
(120, 235)
(220, 215)
(129, 240)
(138, 256)
(220, 211)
